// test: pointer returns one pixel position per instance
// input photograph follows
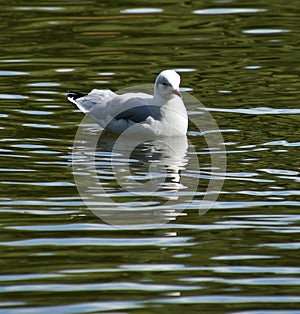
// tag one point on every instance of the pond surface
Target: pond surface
(241, 60)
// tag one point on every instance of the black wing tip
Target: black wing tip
(74, 95)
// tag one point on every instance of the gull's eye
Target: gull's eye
(165, 84)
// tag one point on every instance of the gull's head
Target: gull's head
(167, 84)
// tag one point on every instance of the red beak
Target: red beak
(177, 92)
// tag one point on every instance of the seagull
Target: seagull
(158, 115)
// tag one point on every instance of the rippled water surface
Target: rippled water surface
(59, 251)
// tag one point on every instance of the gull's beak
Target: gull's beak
(177, 92)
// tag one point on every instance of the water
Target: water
(241, 60)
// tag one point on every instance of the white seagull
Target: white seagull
(163, 114)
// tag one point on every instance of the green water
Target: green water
(241, 60)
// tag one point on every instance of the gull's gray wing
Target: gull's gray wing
(136, 107)
(140, 113)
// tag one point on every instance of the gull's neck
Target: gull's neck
(159, 100)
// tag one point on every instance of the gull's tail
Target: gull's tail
(85, 102)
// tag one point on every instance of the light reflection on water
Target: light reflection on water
(241, 256)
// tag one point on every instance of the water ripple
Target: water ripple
(230, 299)
(242, 257)
(13, 73)
(115, 286)
(41, 8)
(265, 31)
(12, 96)
(228, 11)
(142, 11)
(257, 111)
(282, 143)
(162, 241)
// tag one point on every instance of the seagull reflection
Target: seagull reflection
(131, 181)
(146, 167)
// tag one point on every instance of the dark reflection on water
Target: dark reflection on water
(240, 59)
